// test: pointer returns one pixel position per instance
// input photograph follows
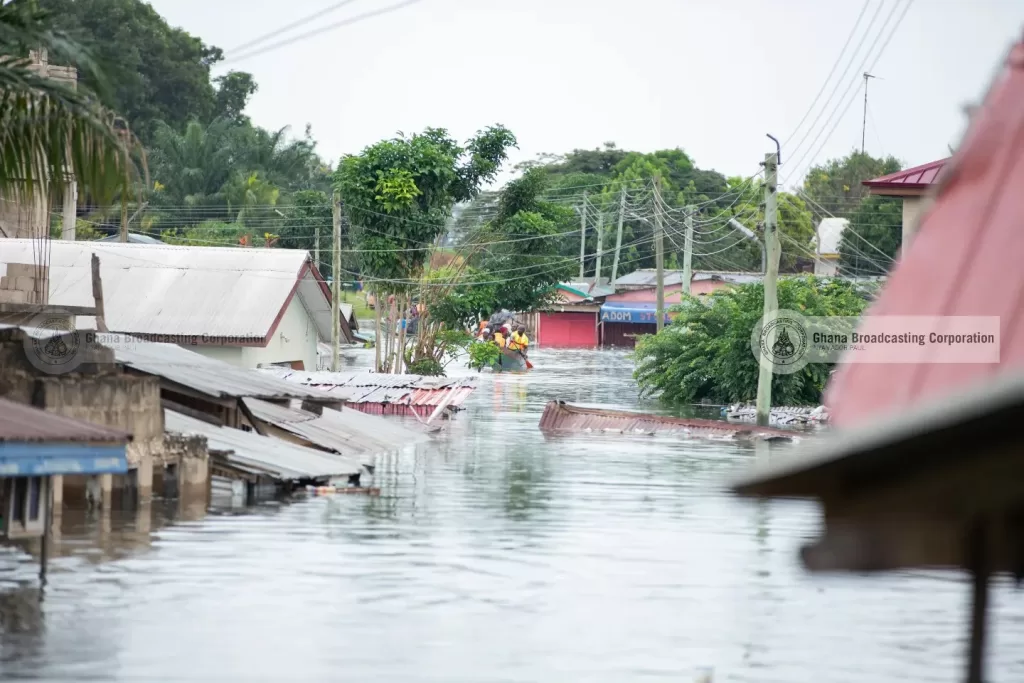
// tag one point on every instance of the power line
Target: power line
(294, 24)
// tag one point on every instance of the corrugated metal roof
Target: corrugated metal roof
(373, 387)
(972, 236)
(830, 233)
(918, 177)
(133, 238)
(22, 423)
(649, 277)
(282, 459)
(207, 375)
(181, 290)
(348, 432)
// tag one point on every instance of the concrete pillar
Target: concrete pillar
(99, 490)
(57, 482)
(144, 477)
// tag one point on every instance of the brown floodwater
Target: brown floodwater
(493, 554)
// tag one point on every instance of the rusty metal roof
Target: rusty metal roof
(24, 423)
(964, 260)
(916, 178)
(373, 387)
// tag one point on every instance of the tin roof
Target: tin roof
(648, 277)
(24, 423)
(152, 289)
(916, 178)
(374, 387)
(972, 235)
(207, 375)
(133, 238)
(279, 458)
(348, 432)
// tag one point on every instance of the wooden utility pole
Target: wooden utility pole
(771, 298)
(688, 251)
(97, 295)
(618, 234)
(600, 247)
(70, 208)
(583, 233)
(659, 256)
(336, 286)
(124, 219)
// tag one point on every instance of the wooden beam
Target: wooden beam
(97, 294)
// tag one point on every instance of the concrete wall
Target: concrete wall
(24, 283)
(826, 266)
(913, 210)
(295, 339)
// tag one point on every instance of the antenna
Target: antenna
(864, 124)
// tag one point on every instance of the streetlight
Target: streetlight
(750, 234)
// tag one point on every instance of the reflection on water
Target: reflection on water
(493, 554)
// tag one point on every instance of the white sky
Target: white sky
(709, 76)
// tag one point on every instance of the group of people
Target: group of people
(505, 337)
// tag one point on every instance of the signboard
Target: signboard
(633, 315)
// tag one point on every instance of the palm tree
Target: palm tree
(47, 128)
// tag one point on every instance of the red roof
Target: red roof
(917, 178)
(965, 260)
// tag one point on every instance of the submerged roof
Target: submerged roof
(916, 178)
(972, 236)
(24, 423)
(348, 432)
(206, 375)
(278, 458)
(374, 387)
(231, 295)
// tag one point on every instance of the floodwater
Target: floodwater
(494, 554)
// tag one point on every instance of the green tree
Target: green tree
(874, 236)
(705, 352)
(157, 73)
(836, 186)
(47, 127)
(233, 92)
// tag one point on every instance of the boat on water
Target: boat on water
(510, 361)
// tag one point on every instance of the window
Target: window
(34, 489)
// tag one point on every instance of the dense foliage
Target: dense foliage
(875, 234)
(705, 354)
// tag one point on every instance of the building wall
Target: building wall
(295, 339)
(624, 334)
(568, 329)
(827, 266)
(913, 210)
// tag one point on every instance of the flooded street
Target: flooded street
(493, 554)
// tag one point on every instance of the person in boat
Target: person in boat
(501, 337)
(519, 341)
(485, 334)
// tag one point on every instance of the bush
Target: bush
(705, 355)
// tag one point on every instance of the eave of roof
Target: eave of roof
(915, 179)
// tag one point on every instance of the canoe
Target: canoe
(510, 361)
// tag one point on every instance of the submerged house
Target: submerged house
(246, 307)
(570, 320)
(925, 470)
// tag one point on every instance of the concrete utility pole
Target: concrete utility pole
(336, 286)
(600, 247)
(583, 233)
(659, 256)
(688, 251)
(864, 124)
(316, 247)
(771, 298)
(618, 234)
(70, 208)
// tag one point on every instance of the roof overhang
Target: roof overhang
(911, 492)
(37, 459)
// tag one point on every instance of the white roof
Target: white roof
(151, 289)
(830, 232)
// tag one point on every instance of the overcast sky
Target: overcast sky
(709, 76)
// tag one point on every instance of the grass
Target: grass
(359, 307)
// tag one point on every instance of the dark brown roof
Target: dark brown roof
(20, 422)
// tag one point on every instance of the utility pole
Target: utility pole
(864, 124)
(688, 251)
(583, 233)
(316, 247)
(336, 285)
(70, 208)
(771, 298)
(659, 256)
(124, 218)
(600, 247)
(618, 234)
